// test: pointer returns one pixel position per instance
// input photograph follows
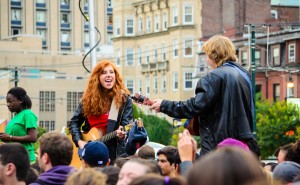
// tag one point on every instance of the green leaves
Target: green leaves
(277, 124)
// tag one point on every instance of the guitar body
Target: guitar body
(93, 135)
(194, 126)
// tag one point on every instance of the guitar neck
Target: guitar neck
(108, 136)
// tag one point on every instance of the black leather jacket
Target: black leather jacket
(222, 104)
(78, 119)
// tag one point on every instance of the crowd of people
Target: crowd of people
(222, 106)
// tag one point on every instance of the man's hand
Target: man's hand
(156, 105)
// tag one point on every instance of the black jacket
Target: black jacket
(222, 104)
(78, 119)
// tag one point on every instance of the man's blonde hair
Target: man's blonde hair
(220, 49)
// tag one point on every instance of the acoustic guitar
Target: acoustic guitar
(94, 134)
(193, 123)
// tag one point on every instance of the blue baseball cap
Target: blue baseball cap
(94, 153)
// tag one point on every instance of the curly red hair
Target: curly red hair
(95, 99)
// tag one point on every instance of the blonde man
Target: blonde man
(223, 99)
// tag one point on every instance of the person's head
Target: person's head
(87, 176)
(17, 99)
(112, 174)
(293, 153)
(146, 152)
(54, 149)
(218, 50)
(286, 171)
(168, 160)
(227, 165)
(282, 151)
(120, 161)
(233, 142)
(135, 168)
(14, 163)
(104, 83)
(95, 154)
(150, 179)
(32, 176)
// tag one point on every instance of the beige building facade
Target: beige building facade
(44, 43)
(155, 46)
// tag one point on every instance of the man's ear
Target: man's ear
(45, 158)
(176, 167)
(10, 169)
(108, 162)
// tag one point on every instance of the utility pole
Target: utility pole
(16, 79)
(92, 34)
(253, 70)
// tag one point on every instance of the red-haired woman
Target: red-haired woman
(106, 106)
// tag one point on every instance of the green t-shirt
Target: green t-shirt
(18, 126)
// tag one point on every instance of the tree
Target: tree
(277, 125)
(159, 130)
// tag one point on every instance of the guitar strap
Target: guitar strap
(113, 116)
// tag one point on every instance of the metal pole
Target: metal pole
(253, 70)
(16, 77)
(92, 34)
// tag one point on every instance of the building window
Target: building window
(188, 81)
(118, 27)
(291, 53)
(65, 18)
(148, 24)
(274, 14)
(257, 57)
(154, 54)
(15, 31)
(244, 58)
(73, 99)
(65, 2)
(140, 25)
(41, 1)
(188, 14)
(118, 57)
(175, 81)
(175, 48)
(156, 23)
(15, 15)
(147, 56)
(163, 52)
(163, 84)
(130, 86)
(202, 63)
(109, 38)
(47, 101)
(147, 87)
(188, 48)
(65, 36)
(140, 86)
(276, 59)
(165, 19)
(41, 16)
(129, 57)
(139, 53)
(129, 27)
(175, 15)
(276, 92)
(86, 39)
(155, 85)
(42, 33)
(48, 125)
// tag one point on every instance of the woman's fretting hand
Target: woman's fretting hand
(120, 133)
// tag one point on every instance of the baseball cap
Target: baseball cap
(94, 153)
(137, 138)
(286, 171)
